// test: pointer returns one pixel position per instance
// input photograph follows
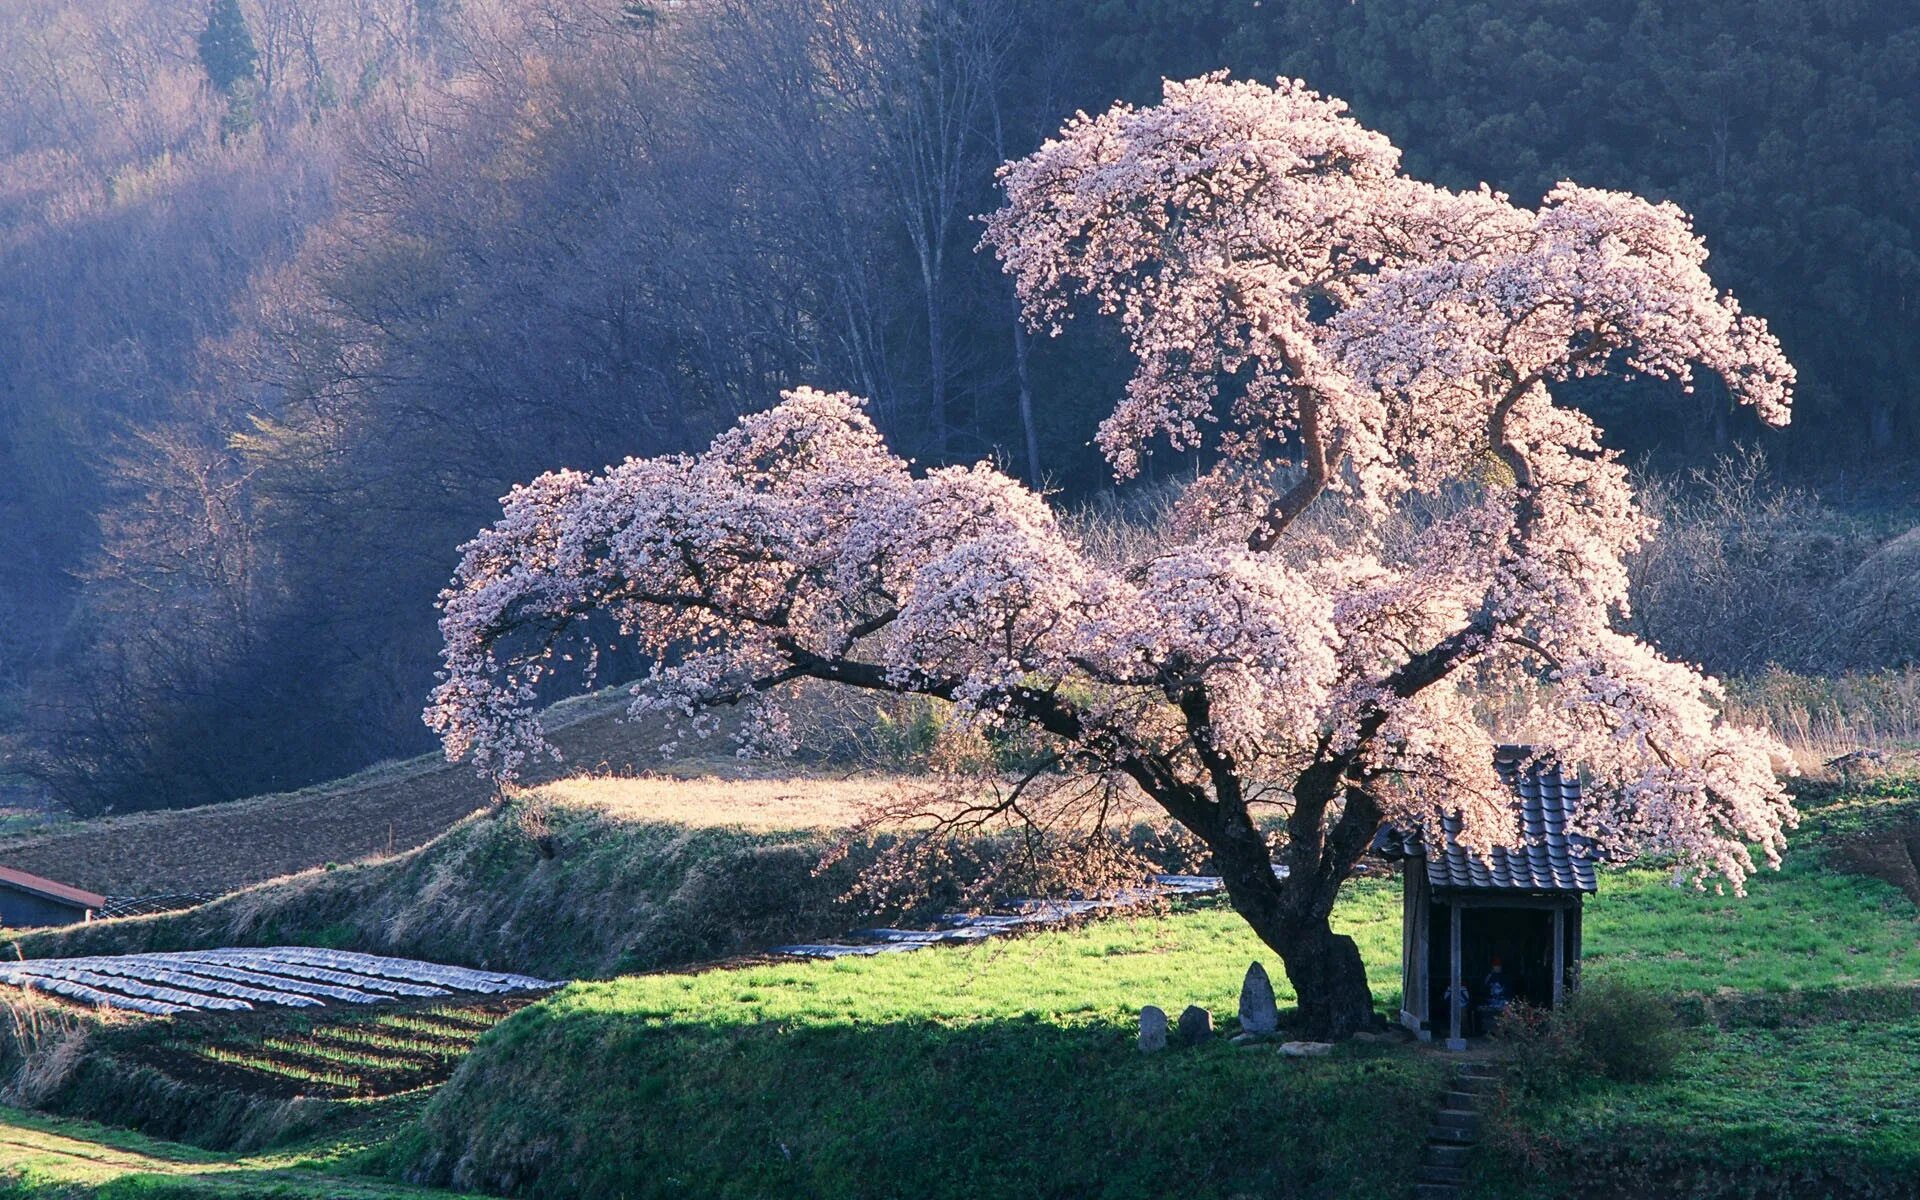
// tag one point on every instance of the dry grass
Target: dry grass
(792, 803)
(387, 809)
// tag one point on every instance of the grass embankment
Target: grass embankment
(1800, 1075)
(238, 1081)
(1008, 1069)
(49, 1158)
(583, 878)
(1005, 1069)
(376, 813)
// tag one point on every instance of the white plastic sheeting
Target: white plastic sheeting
(240, 978)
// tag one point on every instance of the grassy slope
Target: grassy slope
(383, 810)
(998, 1070)
(714, 1082)
(1007, 1069)
(43, 1158)
(607, 894)
(1800, 1075)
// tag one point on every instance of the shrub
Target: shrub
(1627, 1033)
(1607, 1028)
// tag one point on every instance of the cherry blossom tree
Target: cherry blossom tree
(1343, 343)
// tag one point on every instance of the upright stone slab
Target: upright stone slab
(1196, 1025)
(1153, 1029)
(1259, 1013)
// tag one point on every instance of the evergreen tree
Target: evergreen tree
(226, 46)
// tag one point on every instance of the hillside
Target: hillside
(48, 1158)
(560, 887)
(1009, 1069)
(980, 1071)
(379, 812)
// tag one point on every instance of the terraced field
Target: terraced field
(345, 1056)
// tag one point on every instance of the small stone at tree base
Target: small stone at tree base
(1153, 1029)
(1305, 1049)
(1196, 1025)
(1259, 1013)
(1249, 1040)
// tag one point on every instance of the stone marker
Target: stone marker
(1258, 1011)
(1305, 1049)
(1153, 1029)
(1196, 1025)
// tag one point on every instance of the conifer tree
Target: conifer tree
(226, 46)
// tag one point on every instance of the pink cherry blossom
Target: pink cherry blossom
(1343, 341)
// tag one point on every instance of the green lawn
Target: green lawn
(1802, 1073)
(1806, 927)
(1007, 1070)
(1828, 1109)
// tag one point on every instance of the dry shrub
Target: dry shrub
(1608, 1029)
(44, 1041)
(987, 838)
(1846, 726)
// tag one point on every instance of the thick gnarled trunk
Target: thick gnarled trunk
(1330, 981)
(1291, 914)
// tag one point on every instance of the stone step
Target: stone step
(1428, 1173)
(1472, 1100)
(1442, 1155)
(1474, 1077)
(1452, 1135)
(1461, 1118)
(1435, 1191)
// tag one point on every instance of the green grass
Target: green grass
(49, 1158)
(1806, 927)
(1005, 1069)
(1008, 1069)
(1801, 1076)
(1829, 1109)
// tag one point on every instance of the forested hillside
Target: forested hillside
(292, 290)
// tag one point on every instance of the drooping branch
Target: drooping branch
(1252, 241)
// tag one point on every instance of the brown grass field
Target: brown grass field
(395, 807)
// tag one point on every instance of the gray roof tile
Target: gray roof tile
(1550, 856)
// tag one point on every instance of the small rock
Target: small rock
(1248, 1040)
(1153, 1029)
(1376, 1035)
(1305, 1049)
(1258, 1011)
(1196, 1025)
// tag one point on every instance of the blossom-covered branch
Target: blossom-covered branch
(1340, 339)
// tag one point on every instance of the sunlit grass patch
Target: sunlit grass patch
(1807, 927)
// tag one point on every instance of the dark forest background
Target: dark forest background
(291, 291)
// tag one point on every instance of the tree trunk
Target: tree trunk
(1020, 351)
(1291, 916)
(1330, 981)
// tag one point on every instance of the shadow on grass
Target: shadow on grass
(612, 1104)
